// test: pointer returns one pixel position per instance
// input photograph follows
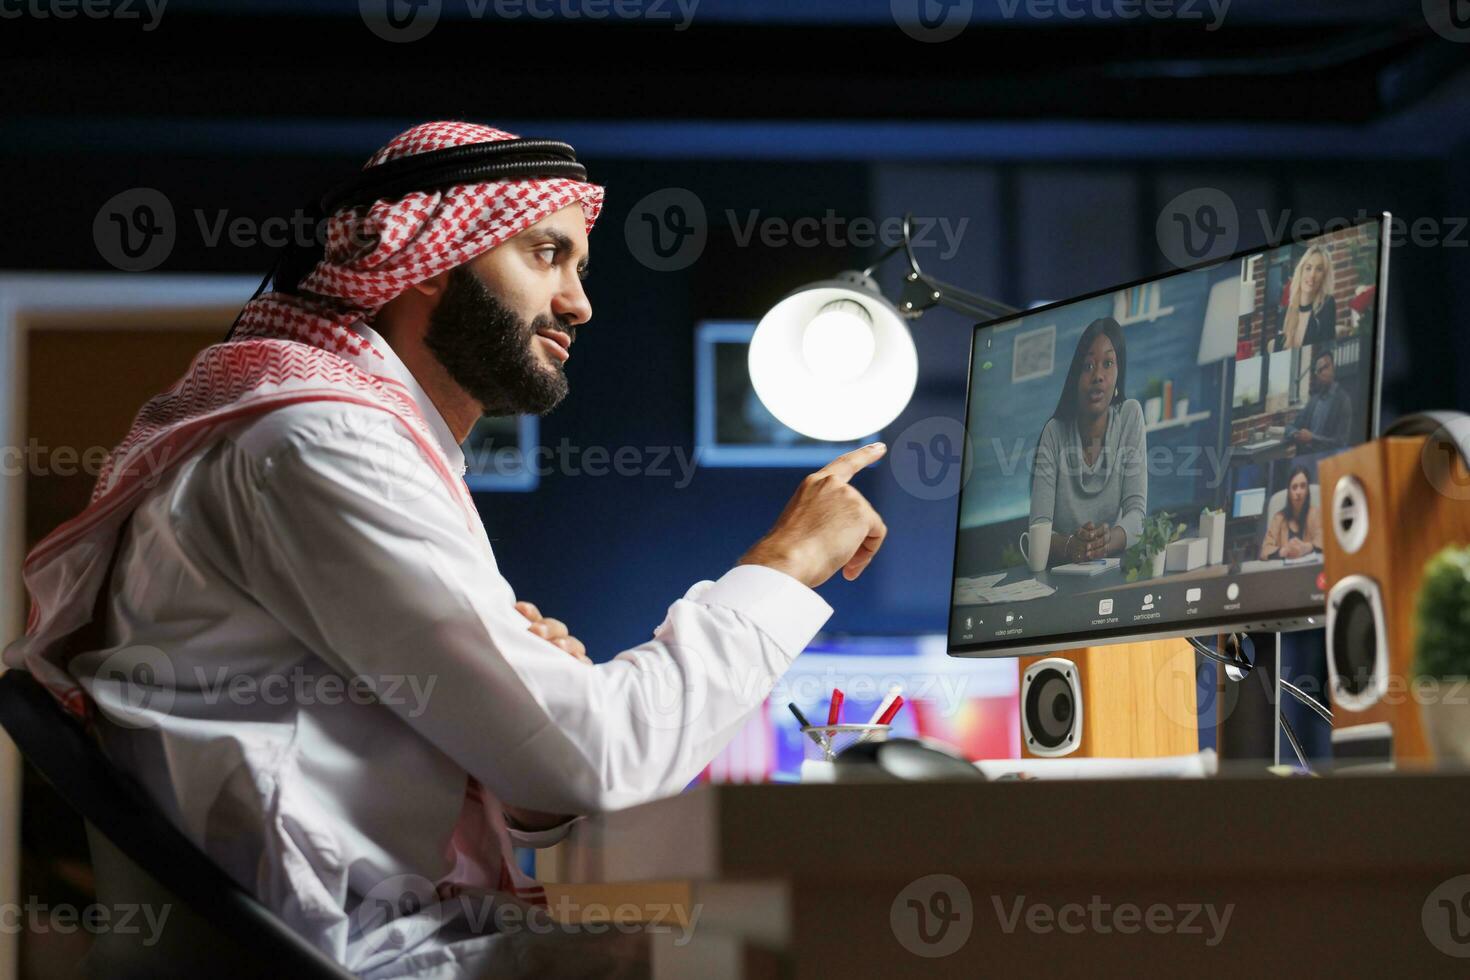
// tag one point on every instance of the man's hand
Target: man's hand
(554, 630)
(557, 633)
(826, 525)
(1303, 436)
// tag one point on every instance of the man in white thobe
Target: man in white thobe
(309, 658)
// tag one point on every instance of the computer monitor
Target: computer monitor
(1141, 462)
(1249, 503)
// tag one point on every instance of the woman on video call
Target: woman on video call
(1311, 310)
(1091, 477)
(1295, 530)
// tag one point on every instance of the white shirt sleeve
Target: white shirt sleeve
(381, 578)
(537, 839)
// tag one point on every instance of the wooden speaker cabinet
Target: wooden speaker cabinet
(1392, 504)
(1128, 700)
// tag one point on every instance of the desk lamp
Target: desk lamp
(834, 360)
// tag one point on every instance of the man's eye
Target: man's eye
(548, 254)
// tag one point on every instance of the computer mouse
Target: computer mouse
(910, 759)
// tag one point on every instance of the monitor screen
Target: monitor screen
(1142, 462)
(1249, 503)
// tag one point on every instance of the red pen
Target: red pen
(834, 711)
(885, 705)
(887, 716)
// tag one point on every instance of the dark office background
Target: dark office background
(1059, 139)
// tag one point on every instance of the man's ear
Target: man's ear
(434, 285)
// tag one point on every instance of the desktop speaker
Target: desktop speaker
(1394, 503)
(1131, 700)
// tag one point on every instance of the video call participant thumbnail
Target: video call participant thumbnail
(1295, 530)
(1325, 421)
(1091, 476)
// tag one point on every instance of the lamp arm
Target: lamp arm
(882, 258)
(919, 287)
(922, 291)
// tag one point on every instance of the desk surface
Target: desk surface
(1347, 876)
(1258, 825)
(1111, 581)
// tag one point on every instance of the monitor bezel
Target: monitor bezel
(1309, 617)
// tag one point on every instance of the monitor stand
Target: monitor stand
(1248, 732)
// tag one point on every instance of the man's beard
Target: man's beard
(487, 349)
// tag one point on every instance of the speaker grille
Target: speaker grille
(1355, 644)
(1350, 514)
(1051, 708)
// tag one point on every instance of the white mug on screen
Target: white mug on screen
(1035, 544)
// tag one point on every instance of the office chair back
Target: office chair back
(214, 927)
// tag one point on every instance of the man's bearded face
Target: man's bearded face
(492, 353)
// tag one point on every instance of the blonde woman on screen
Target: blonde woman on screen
(1311, 310)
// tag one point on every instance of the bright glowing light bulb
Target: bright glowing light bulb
(838, 343)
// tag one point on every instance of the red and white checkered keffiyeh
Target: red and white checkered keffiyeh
(374, 253)
(286, 349)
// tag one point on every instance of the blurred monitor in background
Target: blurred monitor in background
(969, 704)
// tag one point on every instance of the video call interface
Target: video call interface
(1146, 460)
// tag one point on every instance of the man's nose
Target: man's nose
(571, 304)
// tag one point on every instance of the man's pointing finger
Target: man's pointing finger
(844, 467)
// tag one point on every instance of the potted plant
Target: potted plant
(1442, 654)
(1145, 557)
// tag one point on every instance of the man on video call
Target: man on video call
(1325, 421)
(282, 615)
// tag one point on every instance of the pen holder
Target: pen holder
(835, 738)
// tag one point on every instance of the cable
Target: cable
(1306, 699)
(1296, 746)
(1241, 664)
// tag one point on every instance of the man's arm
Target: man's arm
(1340, 423)
(1298, 423)
(388, 589)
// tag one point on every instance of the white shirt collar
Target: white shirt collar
(394, 368)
